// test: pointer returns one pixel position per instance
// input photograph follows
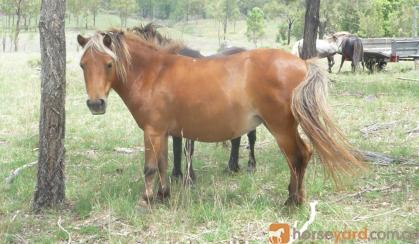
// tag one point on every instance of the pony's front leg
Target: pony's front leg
(155, 159)
(331, 62)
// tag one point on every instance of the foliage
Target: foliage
(255, 25)
(349, 16)
(124, 8)
(370, 23)
(374, 18)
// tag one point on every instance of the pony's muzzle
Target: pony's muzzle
(97, 106)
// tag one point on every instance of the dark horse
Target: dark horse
(214, 100)
(352, 50)
(149, 32)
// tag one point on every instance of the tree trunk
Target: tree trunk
(322, 28)
(187, 11)
(50, 187)
(94, 18)
(290, 22)
(17, 29)
(4, 43)
(311, 26)
(226, 19)
(25, 26)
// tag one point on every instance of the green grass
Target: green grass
(103, 186)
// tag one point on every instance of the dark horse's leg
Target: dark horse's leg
(341, 63)
(251, 165)
(189, 150)
(330, 62)
(233, 163)
(177, 157)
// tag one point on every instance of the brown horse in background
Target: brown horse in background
(149, 32)
(214, 100)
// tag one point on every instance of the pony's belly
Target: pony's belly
(217, 130)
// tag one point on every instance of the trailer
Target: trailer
(380, 51)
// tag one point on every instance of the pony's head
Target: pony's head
(104, 61)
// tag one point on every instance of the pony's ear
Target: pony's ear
(107, 41)
(82, 40)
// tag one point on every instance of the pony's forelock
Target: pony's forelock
(96, 43)
(118, 51)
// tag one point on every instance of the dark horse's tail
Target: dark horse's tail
(358, 55)
(311, 111)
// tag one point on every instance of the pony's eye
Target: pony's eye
(82, 66)
(109, 65)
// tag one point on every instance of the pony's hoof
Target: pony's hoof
(176, 176)
(163, 194)
(146, 199)
(232, 168)
(143, 204)
(294, 201)
(251, 168)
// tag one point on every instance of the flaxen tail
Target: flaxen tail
(310, 109)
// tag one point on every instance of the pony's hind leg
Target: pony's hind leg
(177, 157)
(297, 154)
(284, 129)
(233, 162)
(251, 165)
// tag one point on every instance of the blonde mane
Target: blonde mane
(119, 50)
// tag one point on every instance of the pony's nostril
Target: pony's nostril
(101, 102)
(88, 102)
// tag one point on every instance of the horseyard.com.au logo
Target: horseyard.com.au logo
(281, 233)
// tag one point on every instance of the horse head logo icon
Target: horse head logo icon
(279, 233)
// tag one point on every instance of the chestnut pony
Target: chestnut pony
(149, 32)
(213, 100)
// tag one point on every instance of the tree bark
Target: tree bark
(94, 18)
(50, 188)
(17, 29)
(323, 25)
(4, 43)
(225, 23)
(322, 29)
(290, 23)
(311, 26)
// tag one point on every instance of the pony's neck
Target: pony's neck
(144, 67)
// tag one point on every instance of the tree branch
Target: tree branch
(9, 179)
